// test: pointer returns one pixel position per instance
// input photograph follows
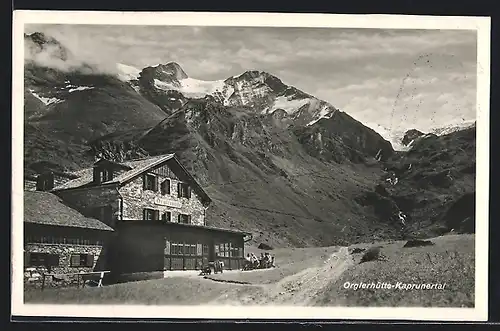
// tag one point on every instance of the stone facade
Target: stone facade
(135, 199)
(62, 242)
(29, 185)
(144, 242)
(33, 274)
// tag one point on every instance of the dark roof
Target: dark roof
(47, 208)
(136, 168)
(85, 176)
(193, 226)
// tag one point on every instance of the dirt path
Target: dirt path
(298, 289)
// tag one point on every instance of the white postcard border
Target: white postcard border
(480, 24)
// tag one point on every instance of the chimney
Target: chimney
(97, 175)
(45, 181)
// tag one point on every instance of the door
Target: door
(211, 251)
(166, 254)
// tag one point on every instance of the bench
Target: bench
(95, 276)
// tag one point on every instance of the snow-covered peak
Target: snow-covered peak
(172, 69)
(453, 127)
(126, 72)
(196, 88)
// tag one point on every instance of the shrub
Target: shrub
(372, 254)
(418, 243)
(357, 250)
(264, 246)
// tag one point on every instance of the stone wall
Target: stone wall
(87, 199)
(135, 199)
(29, 185)
(33, 274)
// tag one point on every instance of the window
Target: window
(105, 175)
(82, 260)
(192, 249)
(177, 249)
(165, 187)
(102, 175)
(184, 190)
(43, 259)
(185, 219)
(150, 214)
(236, 252)
(223, 250)
(205, 249)
(150, 182)
(166, 216)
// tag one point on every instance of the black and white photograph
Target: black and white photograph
(276, 165)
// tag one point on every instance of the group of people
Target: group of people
(217, 266)
(253, 262)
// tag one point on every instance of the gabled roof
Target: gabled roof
(48, 209)
(135, 168)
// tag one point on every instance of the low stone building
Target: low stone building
(60, 240)
(158, 212)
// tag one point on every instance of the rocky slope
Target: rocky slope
(430, 189)
(278, 162)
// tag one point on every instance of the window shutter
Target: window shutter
(167, 247)
(155, 185)
(189, 192)
(90, 260)
(179, 218)
(144, 212)
(144, 182)
(75, 260)
(179, 190)
(52, 260)
(189, 219)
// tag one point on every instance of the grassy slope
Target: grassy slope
(450, 261)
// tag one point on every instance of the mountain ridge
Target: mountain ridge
(292, 169)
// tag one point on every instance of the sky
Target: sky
(387, 79)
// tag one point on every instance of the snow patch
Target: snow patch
(195, 88)
(126, 72)
(46, 101)
(289, 106)
(325, 112)
(79, 88)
